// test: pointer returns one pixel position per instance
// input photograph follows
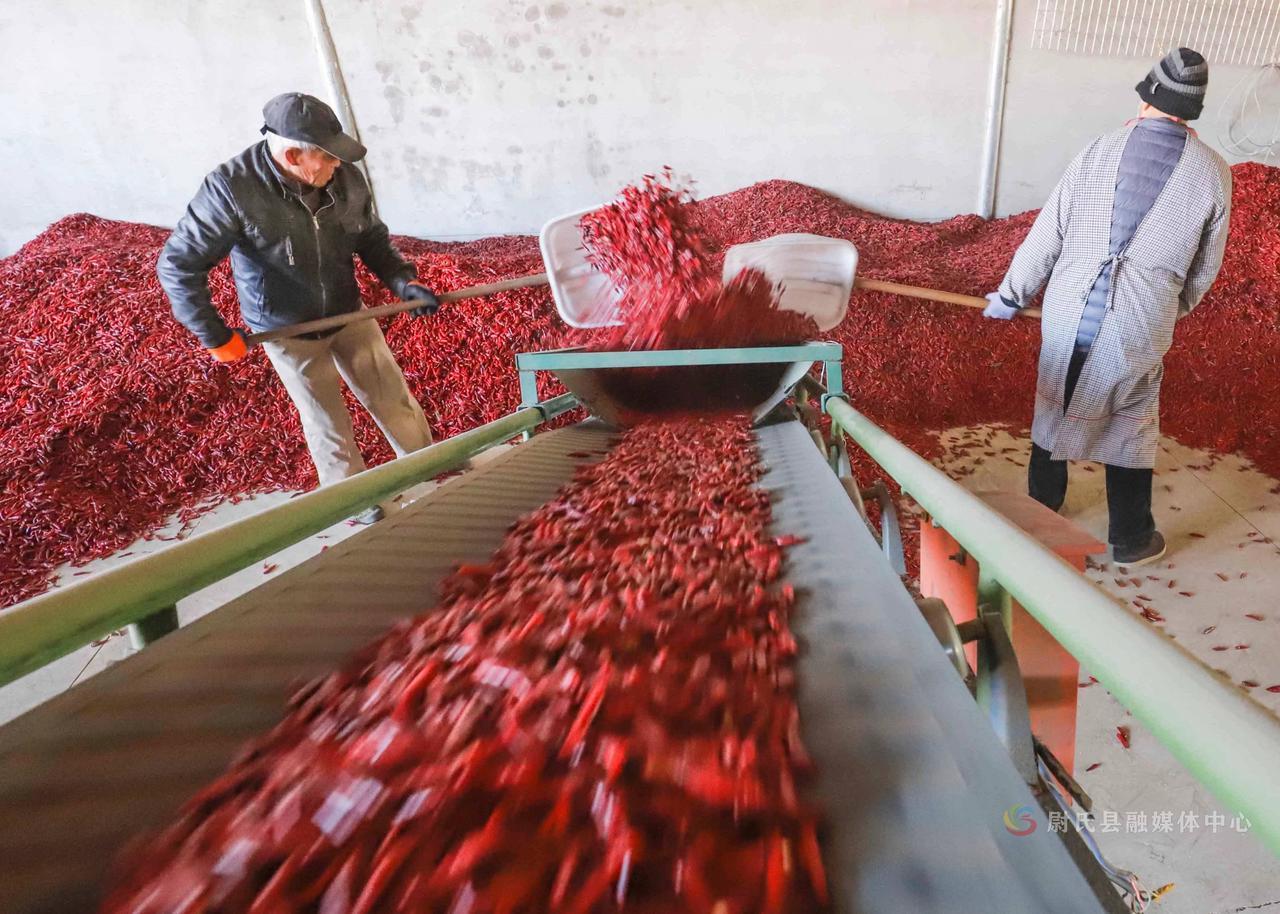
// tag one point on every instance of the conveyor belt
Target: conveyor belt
(118, 754)
(912, 780)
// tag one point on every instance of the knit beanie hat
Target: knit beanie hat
(1177, 84)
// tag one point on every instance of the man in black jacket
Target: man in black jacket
(292, 211)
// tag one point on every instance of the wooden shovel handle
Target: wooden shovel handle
(954, 298)
(365, 314)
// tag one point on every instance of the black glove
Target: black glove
(417, 292)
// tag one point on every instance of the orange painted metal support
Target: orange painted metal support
(1051, 674)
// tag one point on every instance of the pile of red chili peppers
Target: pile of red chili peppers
(112, 419)
(601, 718)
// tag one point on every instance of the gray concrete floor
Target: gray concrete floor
(1214, 869)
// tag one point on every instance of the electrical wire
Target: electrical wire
(1130, 886)
(1245, 112)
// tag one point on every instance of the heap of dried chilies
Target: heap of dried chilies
(601, 718)
(112, 419)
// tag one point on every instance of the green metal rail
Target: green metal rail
(145, 591)
(1229, 743)
(528, 364)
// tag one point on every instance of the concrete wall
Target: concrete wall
(491, 116)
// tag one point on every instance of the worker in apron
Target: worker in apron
(1130, 240)
(292, 211)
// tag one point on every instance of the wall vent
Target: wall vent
(1245, 32)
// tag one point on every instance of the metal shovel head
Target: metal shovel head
(815, 274)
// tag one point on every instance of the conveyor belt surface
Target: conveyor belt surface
(85, 772)
(912, 780)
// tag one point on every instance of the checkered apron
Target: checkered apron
(1168, 266)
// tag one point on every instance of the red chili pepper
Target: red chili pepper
(1122, 734)
(384, 872)
(776, 875)
(811, 857)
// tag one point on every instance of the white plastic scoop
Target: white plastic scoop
(815, 274)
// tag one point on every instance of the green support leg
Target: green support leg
(993, 598)
(528, 396)
(1000, 691)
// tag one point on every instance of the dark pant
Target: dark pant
(1128, 489)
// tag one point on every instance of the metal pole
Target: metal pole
(1229, 743)
(46, 627)
(994, 119)
(333, 77)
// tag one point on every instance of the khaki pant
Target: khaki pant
(359, 354)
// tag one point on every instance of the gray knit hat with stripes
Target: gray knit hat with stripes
(1177, 84)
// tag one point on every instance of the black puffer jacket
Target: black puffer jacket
(289, 265)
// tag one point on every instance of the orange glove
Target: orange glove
(233, 349)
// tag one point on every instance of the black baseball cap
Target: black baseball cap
(296, 116)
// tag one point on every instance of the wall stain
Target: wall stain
(410, 13)
(545, 52)
(476, 46)
(430, 173)
(395, 102)
(531, 14)
(557, 11)
(597, 166)
(616, 11)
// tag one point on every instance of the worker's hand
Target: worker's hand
(996, 308)
(233, 349)
(416, 291)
